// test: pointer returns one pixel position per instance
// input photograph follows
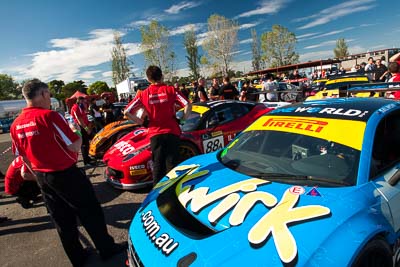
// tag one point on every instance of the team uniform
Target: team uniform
(42, 136)
(159, 102)
(78, 112)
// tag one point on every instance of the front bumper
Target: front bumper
(116, 182)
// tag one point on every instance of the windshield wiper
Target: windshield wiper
(282, 176)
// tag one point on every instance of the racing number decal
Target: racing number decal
(213, 144)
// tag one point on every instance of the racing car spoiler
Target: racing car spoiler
(369, 87)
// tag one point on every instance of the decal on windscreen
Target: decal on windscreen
(346, 132)
(323, 110)
(239, 199)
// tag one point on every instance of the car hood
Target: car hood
(130, 143)
(203, 206)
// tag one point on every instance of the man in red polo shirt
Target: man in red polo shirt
(80, 118)
(158, 101)
(46, 142)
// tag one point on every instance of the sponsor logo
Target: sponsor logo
(332, 111)
(300, 124)
(124, 147)
(26, 125)
(238, 200)
(161, 241)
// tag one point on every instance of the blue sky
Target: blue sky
(71, 40)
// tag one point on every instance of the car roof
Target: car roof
(359, 109)
(213, 104)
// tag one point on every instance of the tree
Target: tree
(70, 88)
(255, 49)
(156, 48)
(221, 41)
(55, 87)
(192, 57)
(341, 49)
(8, 88)
(204, 63)
(278, 46)
(98, 88)
(119, 61)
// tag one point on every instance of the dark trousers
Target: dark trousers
(69, 195)
(85, 146)
(165, 154)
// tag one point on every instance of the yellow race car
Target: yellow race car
(334, 84)
(107, 136)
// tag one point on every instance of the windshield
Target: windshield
(190, 124)
(292, 158)
(344, 84)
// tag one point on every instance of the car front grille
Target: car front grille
(133, 257)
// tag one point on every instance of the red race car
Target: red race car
(211, 126)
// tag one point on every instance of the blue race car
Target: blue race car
(310, 184)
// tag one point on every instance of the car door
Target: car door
(223, 123)
(385, 162)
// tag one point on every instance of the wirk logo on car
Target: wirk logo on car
(164, 241)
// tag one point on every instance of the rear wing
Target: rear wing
(369, 87)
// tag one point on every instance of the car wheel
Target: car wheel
(187, 150)
(376, 253)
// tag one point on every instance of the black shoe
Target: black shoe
(117, 248)
(4, 219)
(25, 203)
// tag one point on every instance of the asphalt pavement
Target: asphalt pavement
(29, 237)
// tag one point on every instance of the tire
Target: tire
(377, 253)
(187, 150)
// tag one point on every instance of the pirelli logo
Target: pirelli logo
(310, 125)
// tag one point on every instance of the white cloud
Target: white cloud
(87, 75)
(70, 55)
(246, 41)
(316, 55)
(304, 36)
(184, 28)
(107, 74)
(265, 7)
(331, 33)
(326, 43)
(335, 12)
(175, 9)
(248, 25)
(332, 42)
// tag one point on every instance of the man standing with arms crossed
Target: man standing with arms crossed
(46, 142)
(158, 101)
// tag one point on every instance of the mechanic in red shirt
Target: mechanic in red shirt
(46, 142)
(158, 102)
(80, 118)
(24, 188)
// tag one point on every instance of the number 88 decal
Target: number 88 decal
(213, 144)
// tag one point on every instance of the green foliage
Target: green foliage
(55, 87)
(221, 42)
(341, 49)
(9, 89)
(70, 88)
(156, 48)
(278, 46)
(98, 88)
(192, 57)
(119, 62)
